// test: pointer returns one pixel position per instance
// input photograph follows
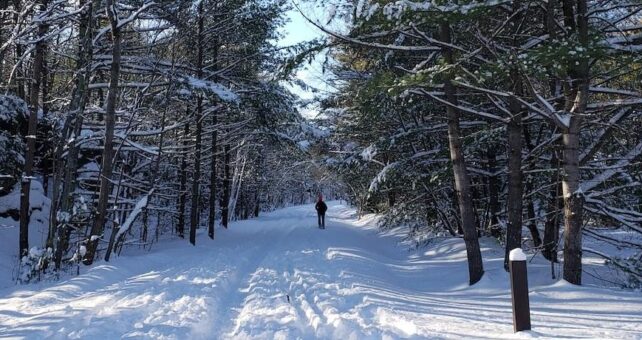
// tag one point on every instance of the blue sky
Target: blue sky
(298, 30)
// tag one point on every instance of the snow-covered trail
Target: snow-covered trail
(281, 277)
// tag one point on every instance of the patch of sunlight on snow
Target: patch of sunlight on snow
(393, 321)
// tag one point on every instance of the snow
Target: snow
(280, 277)
(304, 145)
(12, 109)
(89, 171)
(9, 229)
(369, 153)
(517, 254)
(221, 91)
(138, 208)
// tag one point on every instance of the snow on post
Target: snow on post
(519, 290)
(517, 254)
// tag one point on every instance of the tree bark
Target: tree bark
(213, 179)
(573, 199)
(194, 212)
(108, 153)
(462, 179)
(514, 201)
(555, 205)
(182, 195)
(532, 217)
(225, 202)
(515, 191)
(36, 78)
(76, 108)
(493, 195)
(530, 204)
(212, 216)
(17, 81)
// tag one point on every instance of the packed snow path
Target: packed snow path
(280, 277)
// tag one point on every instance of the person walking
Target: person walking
(321, 208)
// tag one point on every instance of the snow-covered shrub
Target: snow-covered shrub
(13, 113)
(33, 265)
(631, 268)
(421, 221)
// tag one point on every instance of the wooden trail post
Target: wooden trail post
(519, 290)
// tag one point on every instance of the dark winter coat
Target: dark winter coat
(321, 207)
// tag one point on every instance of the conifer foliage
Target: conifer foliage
(471, 118)
(141, 120)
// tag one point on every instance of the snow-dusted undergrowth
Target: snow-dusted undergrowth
(280, 277)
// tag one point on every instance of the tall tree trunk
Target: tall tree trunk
(532, 217)
(155, 178)
(257, 203)
(194, 213)
(514, 201)
(225, 202)
(573, 199)
(213, 180)
(554, 203)
(108, 153)
(554, 206)
(212, 215)
(73, 126)
(44, 168)
(182, 195)
(493, 195)
(530, 204)
(573, 203)
(462, 179)
(3, 5)
(18, 81)
(36, 78)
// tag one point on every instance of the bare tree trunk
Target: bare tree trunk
(18, 79)
(257, 203)
(514, 201)
(67, 170)
(515, 191)
(194, 213)
(573, 199)
(493, 195)
(555, 204)
(225, 202)
(3, 5)
(182, 195)
(530, 204)
(108, 153)
(155, 178)
(44, 168)
(532, 217)
(212, 215)
(36, 78)
(213, 179)
(462, 179)
(573, 203)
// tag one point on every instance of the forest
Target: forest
(160, 161)
(123, 123)
(136, 119)
(518, 120)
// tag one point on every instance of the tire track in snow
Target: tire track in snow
(253, 279)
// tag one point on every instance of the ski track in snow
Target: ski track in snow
(344, 282)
